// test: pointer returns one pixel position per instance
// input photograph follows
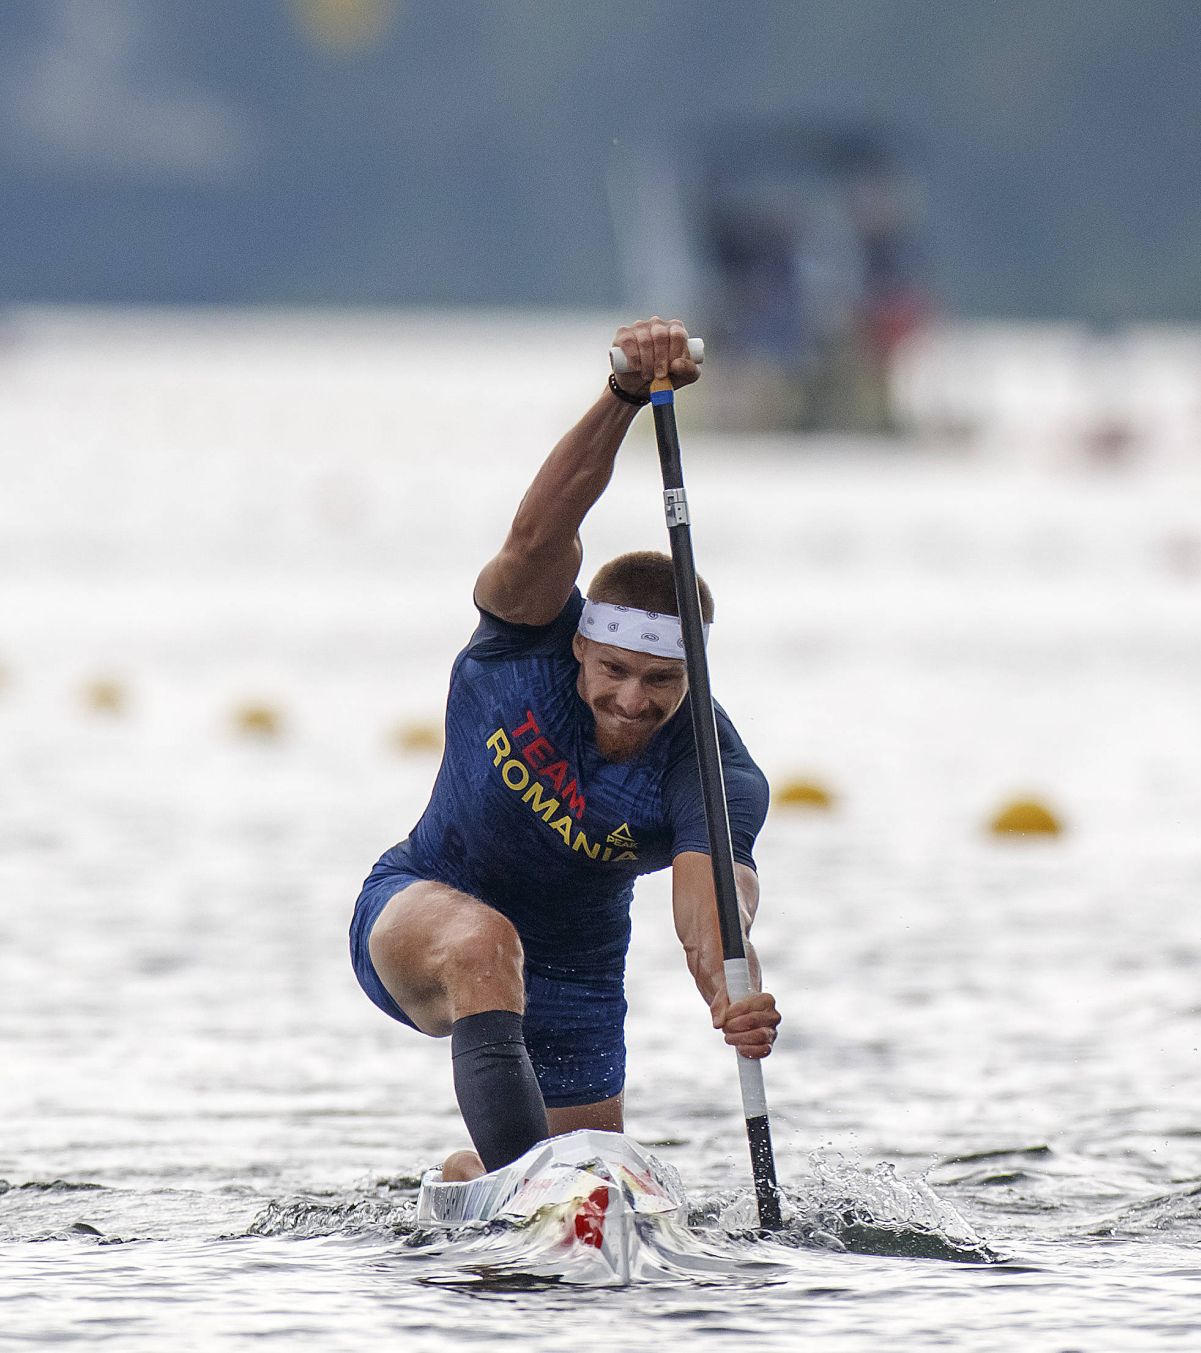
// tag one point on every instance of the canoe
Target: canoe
(596, 1199)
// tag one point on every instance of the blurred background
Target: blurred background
(818, 187)
(294, 298)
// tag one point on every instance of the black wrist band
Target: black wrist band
(638, 401)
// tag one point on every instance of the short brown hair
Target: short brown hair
(644, 579)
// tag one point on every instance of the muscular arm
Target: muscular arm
(529, 581)
(531, 578)
(750, 1024)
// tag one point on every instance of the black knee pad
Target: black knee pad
(496, 1087)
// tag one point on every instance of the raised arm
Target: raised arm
(529, 581)
(749, 1025)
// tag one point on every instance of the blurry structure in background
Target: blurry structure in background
(808, 243)
(456, 153)
(450, 154)
(797, 248)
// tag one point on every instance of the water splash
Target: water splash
(875, 1210)
(308, 1219)
(846, 1206)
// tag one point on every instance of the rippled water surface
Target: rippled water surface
(985, 1095)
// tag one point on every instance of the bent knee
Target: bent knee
(481, 944)
(445, 955)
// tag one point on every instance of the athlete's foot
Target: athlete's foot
(460, 1166)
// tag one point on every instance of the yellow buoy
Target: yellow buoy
(417, 738)
(345, 25)
(803, 794)
(1025, 817)
(105, 696)
(256, 720)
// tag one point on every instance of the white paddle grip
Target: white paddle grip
(750, 1083)
(750, 1072)
(621, 363)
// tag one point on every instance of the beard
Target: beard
(622, 740)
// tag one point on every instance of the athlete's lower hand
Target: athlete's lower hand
(749, 1024)
(655, 348)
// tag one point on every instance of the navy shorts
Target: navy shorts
(574, 1028)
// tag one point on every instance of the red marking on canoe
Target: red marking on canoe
(590, 1218)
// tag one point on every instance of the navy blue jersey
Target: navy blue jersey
(529, 817)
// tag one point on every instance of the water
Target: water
(210, 1138)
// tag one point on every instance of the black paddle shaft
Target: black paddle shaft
(717, 816)
(704, 717)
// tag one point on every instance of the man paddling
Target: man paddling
(569, 769)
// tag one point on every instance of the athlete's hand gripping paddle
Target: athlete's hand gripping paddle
(621, 363)
(717, 818)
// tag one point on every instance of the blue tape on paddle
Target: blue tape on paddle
(663, 396)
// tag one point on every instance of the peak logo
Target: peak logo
(622, 837)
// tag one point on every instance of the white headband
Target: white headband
(628, 627)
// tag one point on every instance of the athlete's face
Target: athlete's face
(631, 695)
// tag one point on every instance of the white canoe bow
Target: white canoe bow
(595, 1194)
